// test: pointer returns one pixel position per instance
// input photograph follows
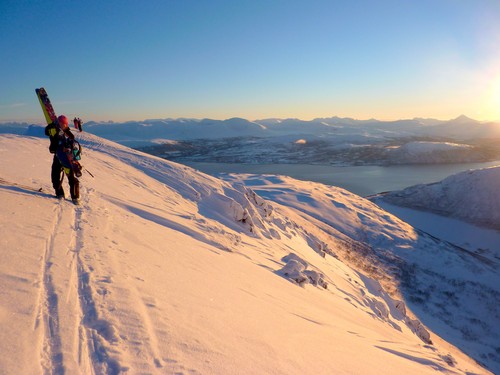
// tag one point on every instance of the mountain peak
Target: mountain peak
(463, 119)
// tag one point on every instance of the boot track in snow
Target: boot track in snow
(76, 339)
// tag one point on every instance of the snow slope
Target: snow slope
(480, 240)
(166, 270)
(473, 196)
(455, 291)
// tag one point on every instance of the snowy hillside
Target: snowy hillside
(431, 153)
(440, 280)
(166, 270)
(473, 196)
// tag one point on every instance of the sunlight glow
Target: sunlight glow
(492, 103)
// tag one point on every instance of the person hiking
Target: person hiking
(62, 145)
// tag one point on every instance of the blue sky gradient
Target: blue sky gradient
(132, 60)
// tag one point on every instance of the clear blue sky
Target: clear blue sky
(132, 60)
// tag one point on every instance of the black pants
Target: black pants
(74, 184)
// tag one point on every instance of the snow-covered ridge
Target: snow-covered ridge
(473, 196)
(461, 128)
(164, 269)
(421, 152)
(320, 141)
(424, 147)
(326, 141)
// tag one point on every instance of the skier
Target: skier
(62, 143)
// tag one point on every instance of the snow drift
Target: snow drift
(166, 270)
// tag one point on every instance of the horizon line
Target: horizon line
(40, 121)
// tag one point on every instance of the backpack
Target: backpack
(69, 153)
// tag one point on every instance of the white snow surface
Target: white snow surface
(472, 196)
(420, 152)
(424, 147)
(165, 270)
(480, 240)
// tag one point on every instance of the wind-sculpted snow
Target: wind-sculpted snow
(164, 269)
(456, 290)
(295, 270)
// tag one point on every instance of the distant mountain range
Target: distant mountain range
(344, 129)
(331, 140)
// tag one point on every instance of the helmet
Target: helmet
(63, 121)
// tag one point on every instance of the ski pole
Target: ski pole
(89, 172)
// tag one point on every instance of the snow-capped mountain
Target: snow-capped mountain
(473, 196)
(325, 140)
(164, 269)
(461, 128)
(464, 128)
(328, 140)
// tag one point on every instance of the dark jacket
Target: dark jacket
(57, 136)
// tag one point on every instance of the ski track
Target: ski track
(51, 359)
(142, 337)
(140, 341)
(90, 352)
(86, 350)
(95, 334)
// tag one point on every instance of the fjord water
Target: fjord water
(361, 180)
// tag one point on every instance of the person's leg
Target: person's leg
(74, 184)
(56, 177)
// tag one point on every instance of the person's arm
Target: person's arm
(50, 130)
(68, 133)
